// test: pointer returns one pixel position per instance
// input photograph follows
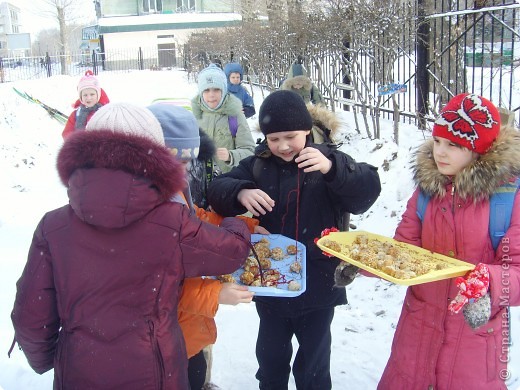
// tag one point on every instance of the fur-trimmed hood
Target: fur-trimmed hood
(478, 180)
(114, 179)
(303, 80)
(325, 119)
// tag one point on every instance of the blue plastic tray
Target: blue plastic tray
(277, 240)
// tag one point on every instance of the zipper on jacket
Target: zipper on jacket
(159, 363)
(453, 200)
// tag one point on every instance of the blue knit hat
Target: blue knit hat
(180, 130)
(212, 77)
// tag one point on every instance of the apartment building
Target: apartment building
(10, 23)
(160, 25)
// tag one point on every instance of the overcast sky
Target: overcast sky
(36, 15)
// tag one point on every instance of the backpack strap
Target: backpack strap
(422, 202)
(500, 209)
(233, 125)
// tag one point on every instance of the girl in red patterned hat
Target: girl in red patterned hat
(451, 333)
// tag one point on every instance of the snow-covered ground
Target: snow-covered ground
(29, 186)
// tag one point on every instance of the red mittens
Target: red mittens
(471, 287)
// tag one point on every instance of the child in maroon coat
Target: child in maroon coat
(98, 298)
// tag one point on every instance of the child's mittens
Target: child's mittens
(473, 286)
(477, 312)
(344, 274)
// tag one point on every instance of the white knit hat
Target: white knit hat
(128, 119)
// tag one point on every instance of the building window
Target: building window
(152, 6)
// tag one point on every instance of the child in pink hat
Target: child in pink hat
(91, 98)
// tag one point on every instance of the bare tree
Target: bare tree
(47, 40)
(376, 44)
(65, 12)
(276, 12)
(345, 36)
(248, 11)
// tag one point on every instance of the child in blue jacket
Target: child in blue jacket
(297, 189)
(234, 75)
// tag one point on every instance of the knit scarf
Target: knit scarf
(82, 115)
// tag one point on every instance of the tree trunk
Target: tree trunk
(60, 13)
(396, 119)
(248, 13)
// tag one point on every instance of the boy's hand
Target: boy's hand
(311, 159)
(223, 154)
(255, 201)
(233, 294)
(261, 230)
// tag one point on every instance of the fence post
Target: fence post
(422, 85)
(140, 61)
(345, 79)
(94, 62)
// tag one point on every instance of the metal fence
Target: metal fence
(470, 46)
(75, 64)
(448, 47)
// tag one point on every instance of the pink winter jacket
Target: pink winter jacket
(432, 348)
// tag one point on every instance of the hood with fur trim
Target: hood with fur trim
(114, 179)
(478, 180)
(325, 119)
(303, 80)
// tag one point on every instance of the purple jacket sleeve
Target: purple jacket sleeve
(211, 250)
(35, 313)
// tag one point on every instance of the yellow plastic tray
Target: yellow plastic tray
(457, 267)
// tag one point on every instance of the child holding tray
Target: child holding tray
(200, 297)
(296, 189)
(468, 158)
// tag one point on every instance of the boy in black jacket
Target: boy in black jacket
(297, 189)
